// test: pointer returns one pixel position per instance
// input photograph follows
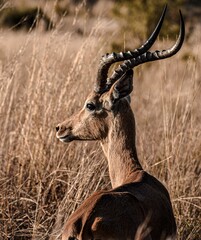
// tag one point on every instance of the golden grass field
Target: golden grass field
(44, 78)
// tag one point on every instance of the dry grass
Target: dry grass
(44, 79)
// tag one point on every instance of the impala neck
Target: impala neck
(119, 147)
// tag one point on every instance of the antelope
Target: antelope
(138, 206)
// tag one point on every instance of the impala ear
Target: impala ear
(122, 87)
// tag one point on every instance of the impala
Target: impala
(138, 206)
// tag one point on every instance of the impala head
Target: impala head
(110, 96)
(94, 119)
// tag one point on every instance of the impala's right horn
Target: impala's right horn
(149, 56)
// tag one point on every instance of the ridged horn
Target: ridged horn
(149, 56)
(108, 59)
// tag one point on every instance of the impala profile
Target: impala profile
(138, 206)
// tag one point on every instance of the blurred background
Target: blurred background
(132, 19)
(49, 55)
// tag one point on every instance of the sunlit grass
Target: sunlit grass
(44, 79)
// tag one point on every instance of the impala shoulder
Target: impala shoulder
(122, 210)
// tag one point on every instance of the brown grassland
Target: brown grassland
(44, 78)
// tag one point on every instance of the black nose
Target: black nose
(57, 128)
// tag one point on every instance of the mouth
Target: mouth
(66, 138)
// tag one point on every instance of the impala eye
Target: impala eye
(90, 106)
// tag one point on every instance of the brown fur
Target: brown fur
(138, 207)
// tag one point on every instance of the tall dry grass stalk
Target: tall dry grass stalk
(44, 79)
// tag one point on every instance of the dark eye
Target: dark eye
(90, 106)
